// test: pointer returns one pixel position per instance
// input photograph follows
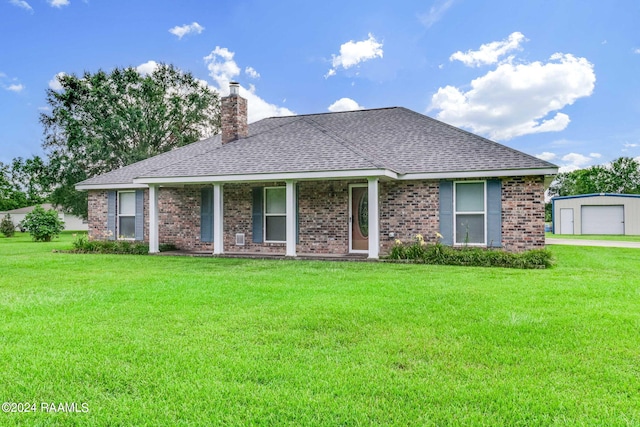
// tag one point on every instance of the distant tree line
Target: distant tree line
(102, 121)
(622, 176)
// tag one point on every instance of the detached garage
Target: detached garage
(597, 214)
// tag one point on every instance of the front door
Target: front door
(359, 218)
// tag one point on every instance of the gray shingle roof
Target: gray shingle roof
(396, 139)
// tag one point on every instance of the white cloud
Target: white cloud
(489, 53)
(575, 161)
(21, 3)
(344, 104)
(54, 83)
(223, 69)
(546, 156)
(15, 87)
(147, 68)
(58, 3)
(637, 51)
(435, 13)
(352, 53)
(251, 72)
(517, 99)
(183, 30)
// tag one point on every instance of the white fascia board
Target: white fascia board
(131, 186)
(479, 174)
(295, 176)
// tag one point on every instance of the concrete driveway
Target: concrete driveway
(579, 242)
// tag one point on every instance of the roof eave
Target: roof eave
(277, 176)
(129, 186)
(480, 173)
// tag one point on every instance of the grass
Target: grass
(615, 238)
(178, 341)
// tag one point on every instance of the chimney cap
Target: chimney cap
(234, 88)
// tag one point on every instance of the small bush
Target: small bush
(437, 253)
(7, 228)
(43, 225)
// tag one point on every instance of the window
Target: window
(275, 214)
(470, 212)
(126, 215)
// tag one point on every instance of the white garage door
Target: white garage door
(603, 219)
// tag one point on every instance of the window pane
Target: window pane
(127, 229)
(470, 197)
(276, 200)
(469, 228)
(276, 228)
(127, 205)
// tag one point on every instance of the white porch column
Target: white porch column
(291, 217)
(374, 228)
(154, 245)
(218, 219)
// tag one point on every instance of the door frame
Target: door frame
(350, 219)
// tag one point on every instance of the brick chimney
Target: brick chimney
(234, 115)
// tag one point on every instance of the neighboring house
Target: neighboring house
(333, 183)
(597, 214)
(71, 222)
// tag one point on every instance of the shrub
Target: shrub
(43, 225)
(7, 227)
(437, 253)
(82, 244)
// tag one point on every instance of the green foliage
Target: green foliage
(7, 227)
(622, 176)
(102, 121)
(24, 183)
(82, 244)
(420, 252)
(43, 225)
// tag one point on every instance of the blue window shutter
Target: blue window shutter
(446, 212)
(494, 213)
(258, 197)
(111, 214)
(206, 215)
(139, 215)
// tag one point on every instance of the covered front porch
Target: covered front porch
(302, 218)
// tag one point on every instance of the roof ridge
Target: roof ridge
(362, 110)
(347, 144)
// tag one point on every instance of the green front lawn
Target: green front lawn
(157, 340)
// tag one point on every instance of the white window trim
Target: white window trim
(265, 215)
(455, 213)
(119, 215)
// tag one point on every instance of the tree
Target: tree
(10, 196)
(103, 121)
(32, 177)
(621, 176)
(7, 227)
(43, 225)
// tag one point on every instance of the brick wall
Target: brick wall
(522, 213)
(97, 215)
(406, 209)
(179, 218)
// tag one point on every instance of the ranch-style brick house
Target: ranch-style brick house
(326, 184)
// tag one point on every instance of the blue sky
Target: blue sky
(557, 79)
